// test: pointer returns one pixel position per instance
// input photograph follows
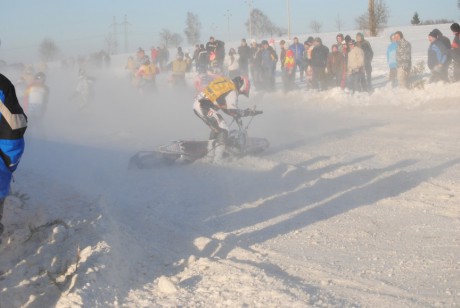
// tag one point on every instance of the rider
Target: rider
(221, 93)
(36, 96)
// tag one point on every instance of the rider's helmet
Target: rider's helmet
(40, 76)
(242, 84)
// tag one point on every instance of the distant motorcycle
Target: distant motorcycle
(84, 91)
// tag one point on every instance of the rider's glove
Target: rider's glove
(250, 112)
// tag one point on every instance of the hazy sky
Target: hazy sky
(81, 26)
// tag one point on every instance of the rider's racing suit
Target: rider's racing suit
(221, 94)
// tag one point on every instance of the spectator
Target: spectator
(318, 64)
(344, 53)
(391, 60)
(268, 65)
(163, 56)
(288, 71)
(437, 57)
(340, 39)
(335, 66)
(356, 62)
(216, 52)
(244, 53)
(455, 50)
(154, 55)
(403, 60)
(232, 64)
(140, 54)
(308, 46)
(188, 60)
(446, 42)
(255, 64)
(203, 60)
(13, 124)
(282, 54)
(368, 56)
(180, 52)
(179, 68)
(298, 50)
(196, 54)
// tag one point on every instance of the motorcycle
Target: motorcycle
(238, 144)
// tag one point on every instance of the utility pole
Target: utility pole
(289, 19)
(114, 26)
(125, 26)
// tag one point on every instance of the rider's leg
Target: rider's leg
(220, 145)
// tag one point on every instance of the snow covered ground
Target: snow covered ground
(355, 204)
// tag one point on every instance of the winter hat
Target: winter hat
(399, 33)
(455, 27)
(437, 32)
(433, 34)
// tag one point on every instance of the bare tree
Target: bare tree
(168, 38)
(48, 50)
(376, 17)
(339, 23)
(193, 28)
(262, 25)
(316, 26)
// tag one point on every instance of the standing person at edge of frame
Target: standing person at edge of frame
(13, 124)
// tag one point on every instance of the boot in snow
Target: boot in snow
(219, 153)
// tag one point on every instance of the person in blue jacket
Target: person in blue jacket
(391, 60)
(13, 124)
(298, 50)
(437, 57)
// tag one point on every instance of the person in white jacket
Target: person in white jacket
(355, 68)
(231, 63)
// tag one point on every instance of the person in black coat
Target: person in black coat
(244, 53)
(318, 64)
(455, 50)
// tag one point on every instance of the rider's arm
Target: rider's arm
(229, 104)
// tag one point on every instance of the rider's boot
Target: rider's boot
(219, 153)
(211, 150)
